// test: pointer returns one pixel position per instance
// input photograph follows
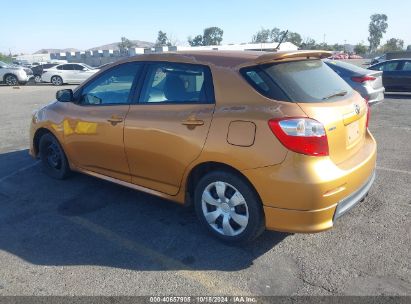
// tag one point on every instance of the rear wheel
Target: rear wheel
(228, 207)
(57, 80)
(37, 78)
(11, 80)
(52, 156)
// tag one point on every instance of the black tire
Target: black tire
(37, 78)
(11, 80)
(56, 80)
(53, 158)
(252, 207)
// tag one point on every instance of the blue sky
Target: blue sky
(84, 24)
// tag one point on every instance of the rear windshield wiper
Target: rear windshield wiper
(342, 93)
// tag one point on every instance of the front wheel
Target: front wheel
(11, 80)
(52, 156)
(57, 80)
(228, 207)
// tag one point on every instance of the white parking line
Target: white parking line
(18, 171)
(393, 170)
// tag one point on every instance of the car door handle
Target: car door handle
(192, 122)
(114, 119)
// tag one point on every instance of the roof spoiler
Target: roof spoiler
(269, 57)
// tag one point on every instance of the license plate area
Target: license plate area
(353, 133)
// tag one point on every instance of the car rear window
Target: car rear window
(346, 66)
(297, 81)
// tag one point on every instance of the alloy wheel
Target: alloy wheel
(56, 80)
(11, 80)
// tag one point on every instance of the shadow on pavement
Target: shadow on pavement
(86, 221)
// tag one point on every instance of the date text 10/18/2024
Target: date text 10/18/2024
(205, 299)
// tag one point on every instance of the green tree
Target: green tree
(125, 45)
(267, 35)
(308, 44)
(5, 58)
(409, 47)
(378, 26)
(275, 35)
(392, 45)
(213, 36)
(294, 38)
(162, 39)
(338, 47)
(325, 47)
(196, 41)
(262, 36)
(360, 49)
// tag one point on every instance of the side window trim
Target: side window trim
(208, 81)
(79, 93)
(137, 87)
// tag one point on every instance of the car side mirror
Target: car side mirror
(65, 95)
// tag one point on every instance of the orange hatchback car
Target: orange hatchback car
(254, 140)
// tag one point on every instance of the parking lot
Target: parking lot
(84, 236)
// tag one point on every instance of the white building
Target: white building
(34, 58)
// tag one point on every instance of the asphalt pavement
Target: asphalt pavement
(84, 236)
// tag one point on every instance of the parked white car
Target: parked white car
(74, 73)
(14, 75)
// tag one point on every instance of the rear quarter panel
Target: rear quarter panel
(236, 100)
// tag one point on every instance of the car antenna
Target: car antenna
(281, 40)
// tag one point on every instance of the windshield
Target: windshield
(300, 81)
(87, 66)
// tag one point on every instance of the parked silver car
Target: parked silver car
(366, 82)
(14, 75)
(74, 73)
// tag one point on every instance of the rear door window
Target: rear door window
(77, 67)
(68, 67)
(177, 83)
(298, 81)
(407, 66)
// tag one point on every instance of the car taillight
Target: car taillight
(301, 135)
(363, 79)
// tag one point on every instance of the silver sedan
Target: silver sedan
(366, 82)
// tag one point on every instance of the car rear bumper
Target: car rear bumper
(349, 202)
(311, 221)
(304, 193)
(25, 79)
(375, 96)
